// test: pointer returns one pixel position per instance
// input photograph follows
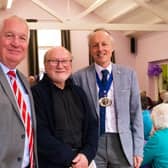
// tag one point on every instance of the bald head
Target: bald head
(58, 65)
(56, 51)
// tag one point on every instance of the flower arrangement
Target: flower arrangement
(154, 70)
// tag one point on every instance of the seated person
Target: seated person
(165, 97)
(156, 148)
(32, 80)
(147, 121)
(161, 96)
(148, 99)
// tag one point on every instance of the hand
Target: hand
(80, 161)
(137, 161)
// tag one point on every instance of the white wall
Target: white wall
(79, 47)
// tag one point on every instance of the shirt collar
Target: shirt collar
(99, 69)
(5, 69)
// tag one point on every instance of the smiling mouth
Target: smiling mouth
(61, 71)
(101, 55)
(14, 51)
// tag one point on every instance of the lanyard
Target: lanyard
(103, 89)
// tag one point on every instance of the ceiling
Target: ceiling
(132, 17)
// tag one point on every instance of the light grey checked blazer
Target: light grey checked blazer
(127, 105)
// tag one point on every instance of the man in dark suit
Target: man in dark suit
(67, 132)
(14, 141)
(117, 103)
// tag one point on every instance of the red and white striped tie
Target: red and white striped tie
(24, 114)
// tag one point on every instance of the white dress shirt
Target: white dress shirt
(110, 122)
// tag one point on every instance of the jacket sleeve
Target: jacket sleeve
(136, 117)
(90, 138)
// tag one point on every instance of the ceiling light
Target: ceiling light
(9, 4)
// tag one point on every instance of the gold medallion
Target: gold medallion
(105, 102)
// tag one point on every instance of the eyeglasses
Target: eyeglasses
(56, 62)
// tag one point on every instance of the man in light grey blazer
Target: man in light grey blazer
(121, 142)
(14, 143)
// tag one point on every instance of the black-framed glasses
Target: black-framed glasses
(56, 62)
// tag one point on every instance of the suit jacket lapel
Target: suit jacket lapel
(116, 82)
(7, 89)
(91, 76)
(116, 76)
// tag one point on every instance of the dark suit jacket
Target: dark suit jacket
(12, 132)
(52, 152)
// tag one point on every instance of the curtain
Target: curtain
(65, 39)
(113, 57)
(33, 53)
(91, 60)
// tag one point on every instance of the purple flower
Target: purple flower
(154, 70)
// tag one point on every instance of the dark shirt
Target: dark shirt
(68, 116)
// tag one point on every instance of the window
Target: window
(46, 40)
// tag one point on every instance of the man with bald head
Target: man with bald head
(67, 131)
(17, 145)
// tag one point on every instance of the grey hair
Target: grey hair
(15, 17)
(165, 97)
(100, 29)
(160, 116)
(53, 48)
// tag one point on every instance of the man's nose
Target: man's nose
(59, 64)
(15, 41)
(100, 47)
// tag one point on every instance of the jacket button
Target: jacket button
(23, 136)
(19, 159)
